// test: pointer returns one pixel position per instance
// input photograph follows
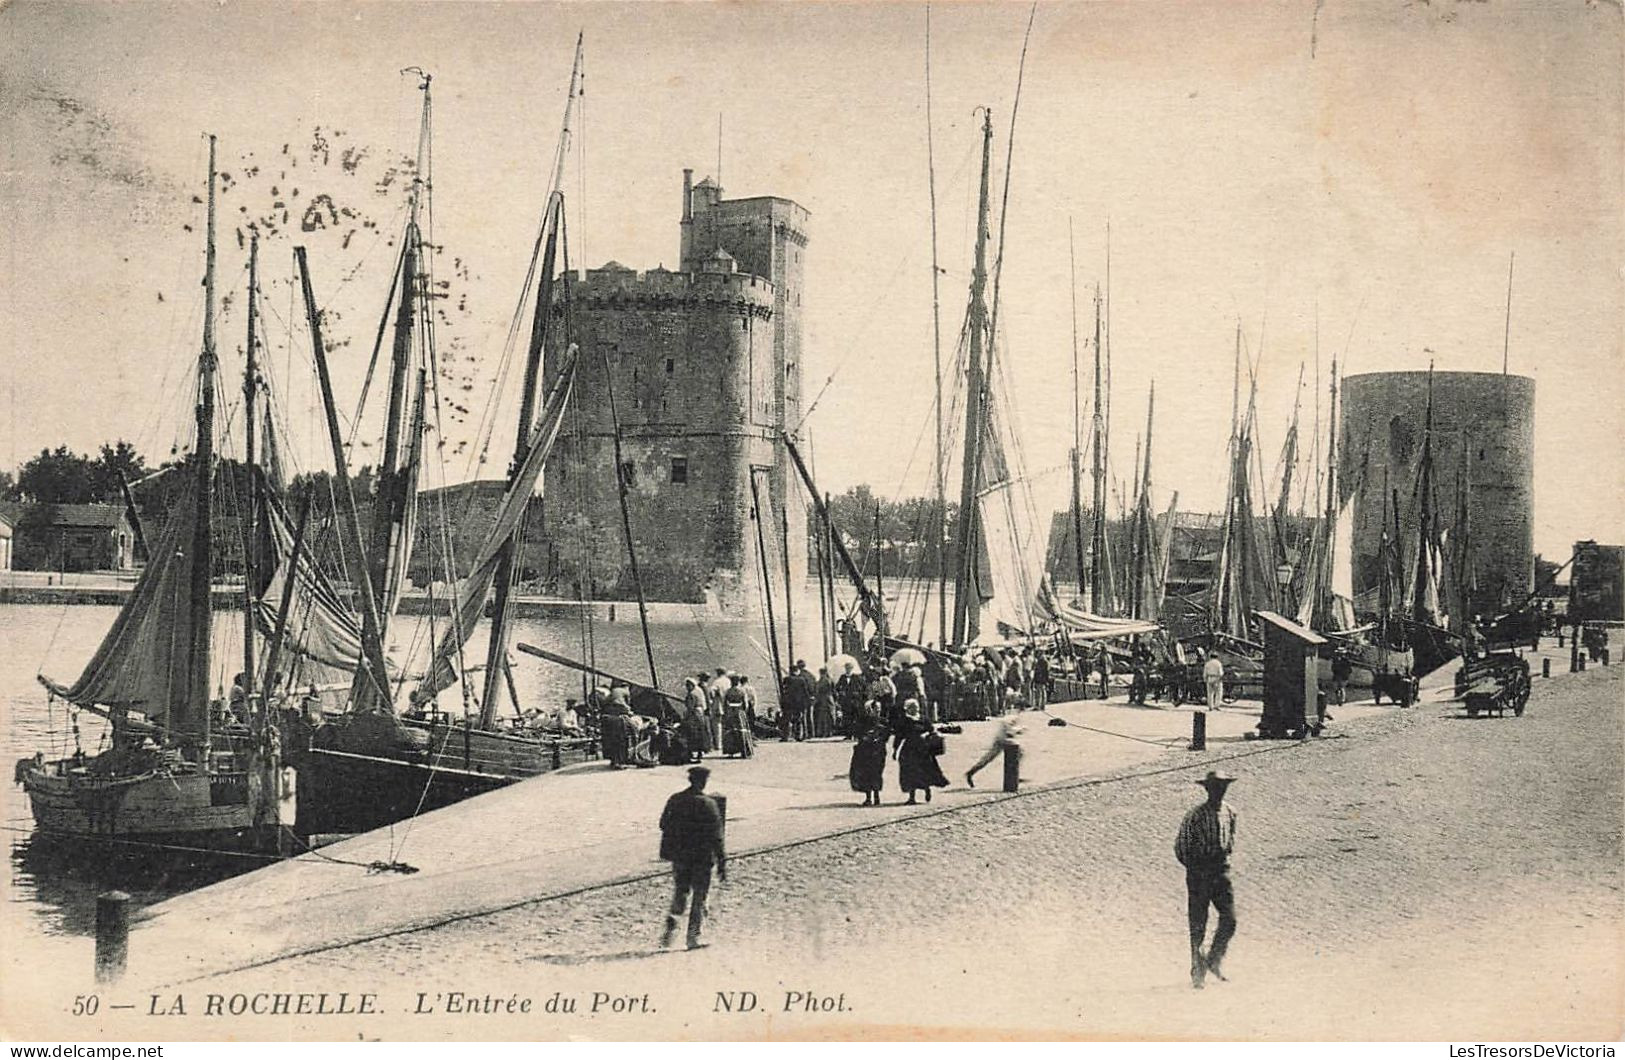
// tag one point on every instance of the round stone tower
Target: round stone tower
(1482, 437)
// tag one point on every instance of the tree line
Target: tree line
(62, 476)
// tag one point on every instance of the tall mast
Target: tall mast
(496, 654)
(759, 517)
(1142, 516)
(389, 504)
(1289, 458)
(967, 602)
(833, 637)
(1424, 523)
(1323, 589)
(936, 352)
(373, 674)
(387, 549)
(789, 590)
(1097, 538)
(1220, 605)
(1077, 419)
(251, 537)
(623, 488)
(497, 649)
(200, 604)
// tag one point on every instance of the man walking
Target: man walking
(1213, 675)
(1007, 733)
(691, 839)
(1207, 835)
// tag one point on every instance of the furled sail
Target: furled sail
(137, 666)
(476, 586)
(1081, 624)
(1342, 572)
(1012, 560)
(322, 630)
(1331, 577)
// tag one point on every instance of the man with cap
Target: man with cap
(691, 839)
(1207, 835)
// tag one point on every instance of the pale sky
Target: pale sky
(1381, 160)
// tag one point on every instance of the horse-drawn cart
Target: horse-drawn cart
(1496, 682)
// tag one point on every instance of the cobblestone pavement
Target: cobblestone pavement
(1422, 875)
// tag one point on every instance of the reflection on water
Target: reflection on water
(52, 888)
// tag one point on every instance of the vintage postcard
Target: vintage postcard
(840, 521)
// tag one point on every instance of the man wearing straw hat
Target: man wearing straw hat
(1207, 835)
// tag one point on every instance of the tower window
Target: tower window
(679, 470)
(671, 365)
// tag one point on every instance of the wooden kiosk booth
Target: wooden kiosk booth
(1291, 678)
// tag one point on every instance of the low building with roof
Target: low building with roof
(70, 537)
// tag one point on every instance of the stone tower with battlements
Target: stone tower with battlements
(1483, 454)
(705, 367)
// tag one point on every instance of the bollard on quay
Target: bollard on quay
(112, 935)
(1545, 667)
(1012, 767)
(1605, 656)
(1199, 730)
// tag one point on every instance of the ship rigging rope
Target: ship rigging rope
(377, 866)
(857, 339)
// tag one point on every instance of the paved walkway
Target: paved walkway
(1431, 877)
(590, 825)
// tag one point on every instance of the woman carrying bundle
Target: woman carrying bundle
(916, 749)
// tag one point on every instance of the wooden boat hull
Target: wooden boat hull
(342, 791)
(356, 785)
(238, 810)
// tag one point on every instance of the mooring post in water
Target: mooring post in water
(112, 935)
(1199, 731)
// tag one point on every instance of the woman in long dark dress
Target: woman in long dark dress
(613, 732)
(916, 749)
(695, 726)
(867, 772)
(737, 738)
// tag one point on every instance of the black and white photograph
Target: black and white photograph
(813, 521)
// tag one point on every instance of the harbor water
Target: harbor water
(51, 895)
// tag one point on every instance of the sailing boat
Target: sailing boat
(368, 766)
(1375, 660)
(182, 768)
(1423, 617)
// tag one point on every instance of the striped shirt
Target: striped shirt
(1206, 837)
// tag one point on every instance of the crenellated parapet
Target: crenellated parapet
(615, 286)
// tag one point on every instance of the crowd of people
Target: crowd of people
(870, 702)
